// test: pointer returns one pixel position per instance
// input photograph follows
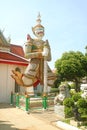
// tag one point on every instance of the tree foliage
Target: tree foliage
(72, 66)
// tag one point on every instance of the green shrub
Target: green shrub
(82, 106)
(82, 111)
(76, 97)
(68, 112)
(73, 86)
(82, 103)
(72, 92)
(68, 102)
(76, 106)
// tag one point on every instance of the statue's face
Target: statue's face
(39, 32)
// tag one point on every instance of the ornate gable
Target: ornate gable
(4, 45)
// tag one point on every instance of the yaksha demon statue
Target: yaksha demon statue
(38, 52)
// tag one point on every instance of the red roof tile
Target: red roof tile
(14, 56)
(8, 57)
(18, 50)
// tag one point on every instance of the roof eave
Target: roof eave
(13, 62)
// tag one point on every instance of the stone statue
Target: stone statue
(63, 93)
(37, 51)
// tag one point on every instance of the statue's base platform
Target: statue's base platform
(59, 110)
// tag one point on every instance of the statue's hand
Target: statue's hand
(45, 51)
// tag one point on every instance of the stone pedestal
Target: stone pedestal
(59, 110)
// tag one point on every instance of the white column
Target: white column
(45, 75)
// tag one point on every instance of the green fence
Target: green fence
(26, 102)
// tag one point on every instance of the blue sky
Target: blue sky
(65, 23)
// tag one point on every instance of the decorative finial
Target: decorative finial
(38, 18)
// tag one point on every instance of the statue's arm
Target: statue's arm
(34, 55)
(29, 52)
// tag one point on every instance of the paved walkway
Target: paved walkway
(16, 119)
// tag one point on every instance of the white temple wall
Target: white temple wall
(7, 84)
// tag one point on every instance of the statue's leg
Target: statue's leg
(28, 81)
(30, 77)
(31, 74)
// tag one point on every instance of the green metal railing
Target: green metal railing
(25, 101)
